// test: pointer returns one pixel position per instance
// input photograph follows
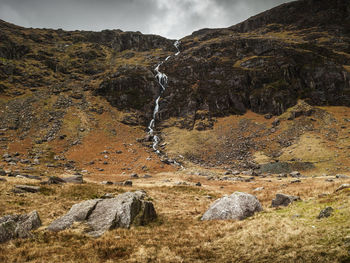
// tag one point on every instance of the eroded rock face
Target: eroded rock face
(106, 214)
(18, 226)
(236, 206)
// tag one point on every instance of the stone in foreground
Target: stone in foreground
(18, 226)
(283, 200)
(327, 212)
(236, 206)
(106, 214)
(343, 186)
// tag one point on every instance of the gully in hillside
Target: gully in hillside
(163, 82)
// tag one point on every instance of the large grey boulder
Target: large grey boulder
(18, 226)
(284, 200)
(78, 212)
(236, 206)
(106, 214)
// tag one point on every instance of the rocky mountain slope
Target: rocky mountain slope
(60, 91)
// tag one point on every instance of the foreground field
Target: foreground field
(291, 234)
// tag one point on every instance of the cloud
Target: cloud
(172, 19)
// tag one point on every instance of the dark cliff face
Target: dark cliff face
(299, 50)
(264, 64)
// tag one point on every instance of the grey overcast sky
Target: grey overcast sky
(169, 18)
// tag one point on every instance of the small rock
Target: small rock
(146, 176)
(28, 188)
(342, 176)
(327, 212)
(107, 182)
(343, 186)
(198, 184)
(295, 181)
(28, 176)
(76, 179)
(258, 189)
(127, 183)
(2, 172)
(134, 176)
(329, 180)
(283, 200)
(55, 180)
(295, 174)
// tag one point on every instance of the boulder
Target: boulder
(236, 206)
(18, 226)
(78, 212)
(106, 214)
(283, 200)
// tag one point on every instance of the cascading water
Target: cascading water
(163, 82)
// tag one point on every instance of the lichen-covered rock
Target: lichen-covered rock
(18, 226)
(78, 212)
(236, 206)
(106, 214)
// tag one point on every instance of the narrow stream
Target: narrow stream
(163, 82)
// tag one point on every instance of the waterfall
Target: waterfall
(162, 79)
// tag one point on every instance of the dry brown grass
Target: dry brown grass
(291, 234)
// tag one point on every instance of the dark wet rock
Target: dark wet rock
(284, 200)
(236, 206)
(102, 215)
(327, 212)
(18, 226)
(27, 188)
(198, 184)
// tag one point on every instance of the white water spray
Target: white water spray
(163, 82)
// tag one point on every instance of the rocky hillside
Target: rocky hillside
(264, 64)
(61, 90)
